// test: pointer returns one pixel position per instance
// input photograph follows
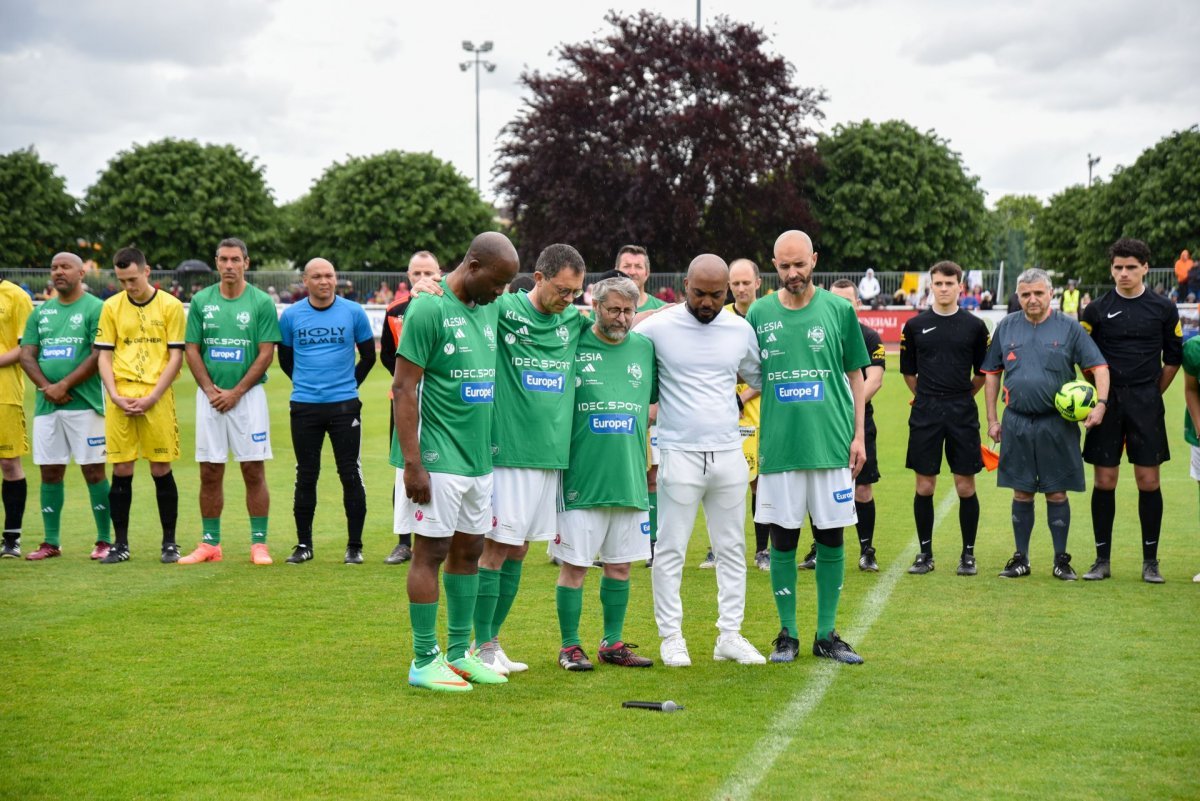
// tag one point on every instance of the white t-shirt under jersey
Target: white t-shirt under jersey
(698, 369)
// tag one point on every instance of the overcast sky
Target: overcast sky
(1023, 89)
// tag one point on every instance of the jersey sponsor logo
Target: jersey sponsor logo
(95, 442)
(430, 456)
(1114, 314)
(589, 356)
(448, 348)
(258, 436)
(225, 354)
(453, 322)
(800, 391)
(771, 338)
(58, 352)
(843, 495)
(588, 368)
(477, 391)
(510, 339)
(927, 330)
(612, 423)
(321, 335)
(773, 325)
(458, 334)
(543, 382)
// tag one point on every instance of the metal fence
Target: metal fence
(363, 286)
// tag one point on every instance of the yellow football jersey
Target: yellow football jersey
(15, 308)
(140, 335)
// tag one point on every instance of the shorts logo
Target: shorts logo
(258, 436)
(430, 456)
(419, 515)
(646, 528)
(572, 496)
(800, 391)
(558, 539)
(843, 496)
(477, 391)
(225, 354)
(58, 352)
(494, 521)
(543, 382)
(612, 423)
(95, 442)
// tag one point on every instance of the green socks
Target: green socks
(614, 599)
(569, 601)
(258, 529)
(98, 495)
(52, 504)
(831, 564)
(654, 517)
(510, 580)
(461, 592)
(211, 526)
(424, 632)
(783, 585)
(485, 603)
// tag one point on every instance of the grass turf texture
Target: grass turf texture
(144, 680)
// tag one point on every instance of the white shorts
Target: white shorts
(60, 435)
(788, 499)
(615, 535)
(524, 502)
(652, 438)
(245, 429)
(457, 503)
(1195, 471)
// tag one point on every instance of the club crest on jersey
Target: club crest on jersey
(76, 319)
(430, 456)
(764, 353)
(635, 370)
(572, 495)
(816, 337)
(243, 317)
(563, 333)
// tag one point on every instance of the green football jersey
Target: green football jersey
(1191, 366)
(455, 344)
(230, 331)
(64, 334)
(651, 303)
(535, 382)
(614, 387)
(807, 406)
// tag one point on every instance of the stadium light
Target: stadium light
(1092, 162)
(490, 67)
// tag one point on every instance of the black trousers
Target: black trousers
(342, 421)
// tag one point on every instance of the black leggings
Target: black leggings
(343, 422)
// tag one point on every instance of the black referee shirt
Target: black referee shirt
(943, 352)
(878, 354)
(1136, 335)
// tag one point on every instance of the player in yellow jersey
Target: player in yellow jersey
(141, 340)
(15, 307)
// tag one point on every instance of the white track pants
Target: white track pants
(687, 479)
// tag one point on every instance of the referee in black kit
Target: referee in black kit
(941, 352)
(1139, 334)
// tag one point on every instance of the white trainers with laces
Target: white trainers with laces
(487, 655)
(674, 652)
(502, 659)
(736, 648)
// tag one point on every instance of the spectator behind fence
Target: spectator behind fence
(1183, 269)
(868, 288)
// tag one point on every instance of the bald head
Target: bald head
(66, 274)
(317, 264)
(490, 264)
(794, 260)
(320, 280)
(705, 286)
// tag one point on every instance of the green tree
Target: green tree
(1059, 234)
(1156, 199)
(372, 213)
(38, 217)
(175, 199)
(1015, 216)
(894, 198)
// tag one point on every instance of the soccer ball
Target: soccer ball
(1075, 400)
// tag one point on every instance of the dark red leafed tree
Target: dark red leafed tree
(656, 134)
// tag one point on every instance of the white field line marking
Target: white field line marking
(742, 784)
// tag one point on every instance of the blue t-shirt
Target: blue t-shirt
(323, 341)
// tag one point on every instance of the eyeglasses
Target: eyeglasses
(618, 311)
(566, 293)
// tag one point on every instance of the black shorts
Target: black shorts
(1039, 453)
(870, 472)
(952, 423)
(1135, 422)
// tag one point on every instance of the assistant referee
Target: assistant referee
(1140, 336)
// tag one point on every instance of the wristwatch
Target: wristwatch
(1102, 400)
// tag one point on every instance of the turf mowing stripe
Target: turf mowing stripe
(744, 782)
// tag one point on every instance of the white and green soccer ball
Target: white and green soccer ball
(1075, 400)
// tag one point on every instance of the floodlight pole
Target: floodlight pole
(490, 67)
(1092, 162)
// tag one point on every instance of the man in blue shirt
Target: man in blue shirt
(319, 337)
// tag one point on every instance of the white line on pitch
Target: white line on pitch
(742, 784)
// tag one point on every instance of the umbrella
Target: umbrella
(193, 266)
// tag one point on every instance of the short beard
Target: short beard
(700, 319)
(615, 334)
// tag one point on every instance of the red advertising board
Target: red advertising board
(887, 322)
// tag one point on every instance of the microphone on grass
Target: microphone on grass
(657, 706)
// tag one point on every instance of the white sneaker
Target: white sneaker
(1196, 578)
(674, 652)
(487, 655)
(502, 659)
(736, 648)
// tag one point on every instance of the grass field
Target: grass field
(228, 681)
